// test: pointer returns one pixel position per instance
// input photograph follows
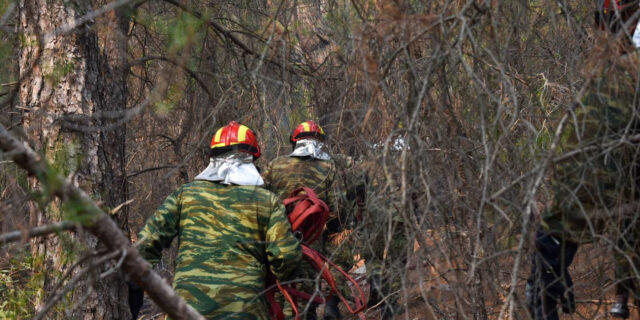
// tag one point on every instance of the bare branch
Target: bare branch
(609, 145)
(86, 18)
(192, 73)
(117, 266)
(37, 231)
(218, 28)
(214, 25)
(120, 206)
(148, 170)
(72, 284)
(567, 156)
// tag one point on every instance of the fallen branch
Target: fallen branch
(37, 231)
(101, 226)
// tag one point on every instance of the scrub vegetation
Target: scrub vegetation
(448, 107)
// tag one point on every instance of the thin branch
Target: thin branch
(120, 206)
(406, 45)
(594, 147)
(148, 170)
(622, 210)
(80, 261)
(227, 34)
(567, 156)
(37, 231)
(8, 84)
(117, 266)
(72, 284)
(86, 18)
(192, 73)
(215, 26)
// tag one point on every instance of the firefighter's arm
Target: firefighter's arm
(160, 229)
(283, 249)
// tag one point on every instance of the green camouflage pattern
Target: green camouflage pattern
(600, 178)
(228, 236)
(285, 174)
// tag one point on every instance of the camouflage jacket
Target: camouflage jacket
(285, 174)
(601, 175)
(228, 236)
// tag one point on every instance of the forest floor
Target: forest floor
(592, 272)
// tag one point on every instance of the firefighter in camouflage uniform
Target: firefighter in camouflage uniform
(387, 244)
(230, 230)
(594, 183)
(311, 165)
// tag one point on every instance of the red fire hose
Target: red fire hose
(308, 215)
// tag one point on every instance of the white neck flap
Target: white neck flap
(310, 148)
(234, 168)
(636, 36)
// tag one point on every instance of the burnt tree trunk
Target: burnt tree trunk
(73, 96)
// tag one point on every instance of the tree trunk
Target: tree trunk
(73, 94)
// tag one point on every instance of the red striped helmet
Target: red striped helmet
(305, 130)
(235, 136)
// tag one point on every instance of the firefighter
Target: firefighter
(230, 230)
(387, 244)
(312, 166)
(591, 188)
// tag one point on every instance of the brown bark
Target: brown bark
(73, 94)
